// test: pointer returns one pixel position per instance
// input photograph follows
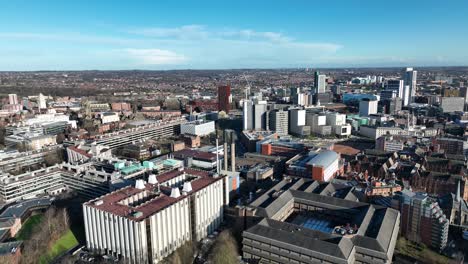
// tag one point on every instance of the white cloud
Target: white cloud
(191, 46)
(183, 32)
(155, 56)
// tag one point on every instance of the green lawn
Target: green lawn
(28, 226)
(419, 252)
(66, 242)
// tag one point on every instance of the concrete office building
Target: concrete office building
(109, 117)
(422, 219)
(320, 82)
(387, 143)
(367, 107)
(30, 141)
(147, 222)
(297, 123)
(318, 124)
(198, 128)
(393, 106)
(159, 129)
(247, 115)
(452, 104)
(298, 223)
(41, 101)
(30, 184)
(12, 99)
(255, 115)
(278, 121)
(260, 115)
(338, 124)
(464, 93)
(15, 160)
(89, 181)
(410, 79)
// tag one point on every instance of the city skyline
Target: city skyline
(211, 35)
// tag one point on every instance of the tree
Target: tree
(183, 254)
(225, 249)
(54, 157)
(60, 138)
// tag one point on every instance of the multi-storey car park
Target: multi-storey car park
(147, 222)
(302, 222)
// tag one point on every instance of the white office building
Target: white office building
(255, 115)
(12, 99)
(147, 222)
(110, 117)
(338, 123)
(367, 107)
(41, 101)
(198, 128)
(297, 124)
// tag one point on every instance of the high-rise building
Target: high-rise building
(41, 101)
(406, 95)
(410, 78)
(278, 121)
(297, 123)
(260, 115)
(320, 82)
(254, 115)
(367, 107)
(294, 91)
(395, 85)
(13, 99)
(394, 106)
(247, 115)
(387, 95)
(224, 98)
(422, 219)
(464, 93)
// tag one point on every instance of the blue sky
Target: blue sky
(119, 35)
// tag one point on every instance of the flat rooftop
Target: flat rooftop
(327, 219)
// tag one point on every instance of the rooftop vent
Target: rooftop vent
(175, 193)
(136, 214)
(187, 187)
(152, 179)
(140, 184)
(98, 202)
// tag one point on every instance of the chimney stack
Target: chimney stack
(225, 155)
(233, 157)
